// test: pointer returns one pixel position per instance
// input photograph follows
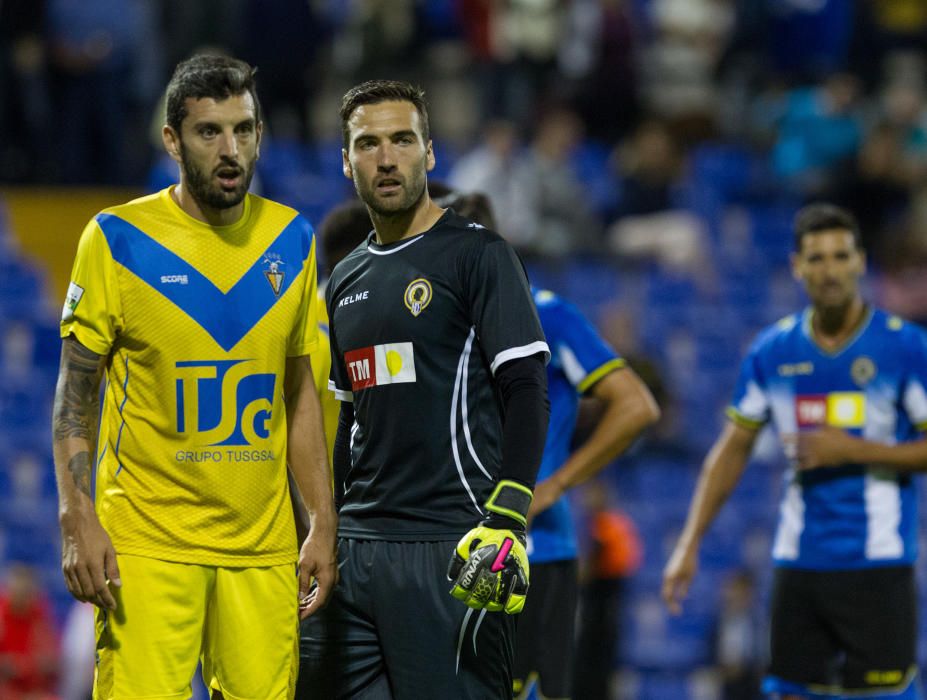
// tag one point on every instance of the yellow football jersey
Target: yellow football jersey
(197, 322)
(321, 368)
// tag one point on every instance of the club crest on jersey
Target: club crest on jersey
(418, 295)
(273, 272)
(863, 370)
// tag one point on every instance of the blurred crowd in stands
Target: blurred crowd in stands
(645, 156)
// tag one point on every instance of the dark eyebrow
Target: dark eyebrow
(403, 133)
(204, 124)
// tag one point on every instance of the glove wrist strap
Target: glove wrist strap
(511, 500)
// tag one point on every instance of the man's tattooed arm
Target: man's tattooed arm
(88, 558)
(75, 418)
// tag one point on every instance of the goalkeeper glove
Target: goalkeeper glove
(489, 566)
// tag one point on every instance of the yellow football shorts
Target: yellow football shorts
(241, 623)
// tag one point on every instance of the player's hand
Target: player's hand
(318, 568)
(546, 493)
(825, 447)
(678, 575)
(88, 558)
(489, 566)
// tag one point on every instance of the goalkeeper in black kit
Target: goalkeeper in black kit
(439, 360)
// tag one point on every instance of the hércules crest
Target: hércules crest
(863, 370)
(418, 295)
(273, 272)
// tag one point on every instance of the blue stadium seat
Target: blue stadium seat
(601, 185)
(728, 169)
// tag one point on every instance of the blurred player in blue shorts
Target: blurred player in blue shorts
(582, 364)
(844, 385)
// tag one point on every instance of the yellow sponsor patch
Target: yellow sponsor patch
(846, 409)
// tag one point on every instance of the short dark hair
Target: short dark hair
(342, 230)
(375, 91)
(208, 75)
(821, 216)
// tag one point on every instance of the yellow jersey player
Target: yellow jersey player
(198, 305)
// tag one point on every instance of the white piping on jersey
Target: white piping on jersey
(791, 522)
(521, 351)
(354, 428)
(460, 637)
(572, 368)
(476, 628)
(397, 248)
(463, 404)
(460, 472)
(883, 516)
(754, 404)
(340, 394)
(915, 402)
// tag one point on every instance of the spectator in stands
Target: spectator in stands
(678, 66)
(28, 643)
(524, 42)
(490, 168)
(25, 109)
(649, 164)
(844, 385)
(551, 214)
(92, 55)
(613, 554)
(739, 639)
(599, 54)
(818, 130)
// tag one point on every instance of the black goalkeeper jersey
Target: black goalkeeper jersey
(418, 329)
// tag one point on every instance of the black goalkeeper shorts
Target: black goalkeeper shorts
(837, 631)
(391, 630)
(544, 643)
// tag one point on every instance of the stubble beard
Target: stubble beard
(412, 193)
(208, 194)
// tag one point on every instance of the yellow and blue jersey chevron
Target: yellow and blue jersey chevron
(321, 370)
(197, 322)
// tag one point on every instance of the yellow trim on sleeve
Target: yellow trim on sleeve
(922, 427)
(596, 374)
(735, 416)
(85, 337)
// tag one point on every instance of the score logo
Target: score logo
(845, 409)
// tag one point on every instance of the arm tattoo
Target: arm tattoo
(81, 468)
(77, 397)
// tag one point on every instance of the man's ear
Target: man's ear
(171, 141)
(429, 157)
(346, 165)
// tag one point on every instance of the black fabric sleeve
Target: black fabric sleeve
(341, 453)
(499, 297)
(522, 384)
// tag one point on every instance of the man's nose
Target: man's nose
(386, 157)
(228, 144)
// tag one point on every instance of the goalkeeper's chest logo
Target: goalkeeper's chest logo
(391, 363)
(225, 402)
